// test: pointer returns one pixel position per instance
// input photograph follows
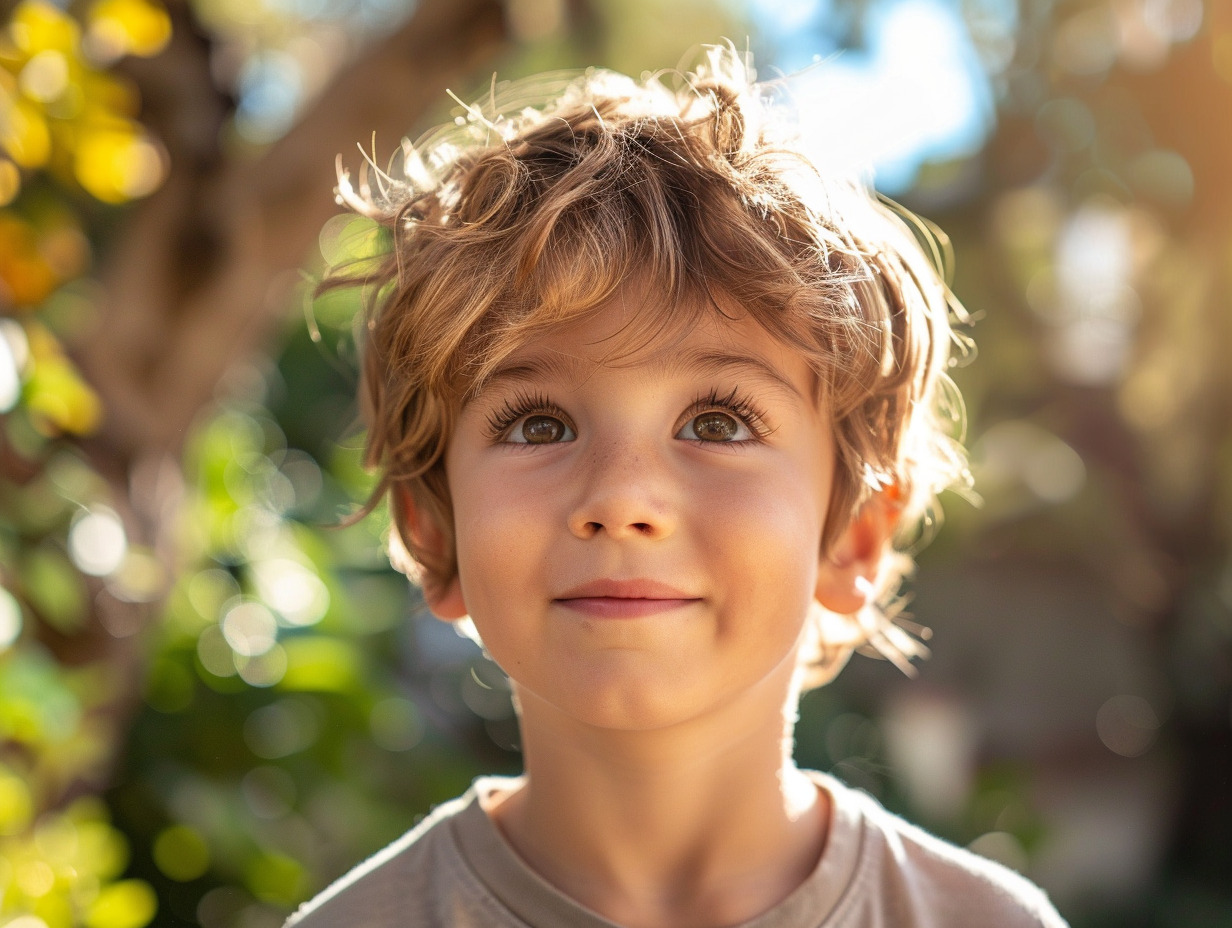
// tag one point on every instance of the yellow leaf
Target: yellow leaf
(24, 135)
(56, 392)
(118, 163)
(24, 273)
(134, 27)
(16, 805)
(38, 25)
(10, 181)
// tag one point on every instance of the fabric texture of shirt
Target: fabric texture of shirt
(455, 870)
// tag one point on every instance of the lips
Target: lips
(616, 599)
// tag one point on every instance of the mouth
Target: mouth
(624, 599)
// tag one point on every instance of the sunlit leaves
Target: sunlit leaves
(117, 163)
(61, 112)
(27, 277)
(24, 134)
(56, 393)
(16, 804)
(68, 134)
(60, 871)
(57, 864)
(38, 26)
(10, 181)
(127, 27)
(127, 904)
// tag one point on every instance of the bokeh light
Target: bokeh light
(10, 619)
(97, 542)
(126, 27)
(1127, 725)
(181, 853)
(292, 590)
(250, 629)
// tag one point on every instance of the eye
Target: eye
(529, 419)
(715, 426)
(539, 429)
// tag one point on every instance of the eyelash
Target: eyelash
(738, 405)
(519, 406)
(524, 404)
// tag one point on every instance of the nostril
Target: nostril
(644, 527)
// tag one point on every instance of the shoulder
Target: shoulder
(420, 879)
(921, 880)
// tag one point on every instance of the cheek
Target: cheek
(498, 527)
(787, 501)
(768, 533)
(774, 521)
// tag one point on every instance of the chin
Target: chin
(617, 701)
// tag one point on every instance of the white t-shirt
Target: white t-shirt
(455, 870)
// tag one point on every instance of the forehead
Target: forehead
(632, 332)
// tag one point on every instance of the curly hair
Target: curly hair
(537, 204)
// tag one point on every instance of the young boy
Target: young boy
(651, 400)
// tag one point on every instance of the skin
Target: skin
(639, 546)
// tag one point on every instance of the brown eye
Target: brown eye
(715, 426)
(542, 430)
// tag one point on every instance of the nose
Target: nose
(625, 493)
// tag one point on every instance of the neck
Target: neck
(706, 823)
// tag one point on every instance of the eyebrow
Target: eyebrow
(699, 361)
(706, 362)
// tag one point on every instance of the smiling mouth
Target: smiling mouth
(624, 599)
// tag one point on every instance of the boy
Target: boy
(651, 399)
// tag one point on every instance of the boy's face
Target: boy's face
(639, 542)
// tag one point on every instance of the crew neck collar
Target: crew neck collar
(538, 903)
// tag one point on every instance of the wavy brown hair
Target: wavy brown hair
(540, 202)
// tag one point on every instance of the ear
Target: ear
(847, 578)
(444, 599)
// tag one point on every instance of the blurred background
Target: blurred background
(213, 700)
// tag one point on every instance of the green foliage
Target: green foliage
(288, 728)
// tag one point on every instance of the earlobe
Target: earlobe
(446, 601)
(847, 577)
(443, 599)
